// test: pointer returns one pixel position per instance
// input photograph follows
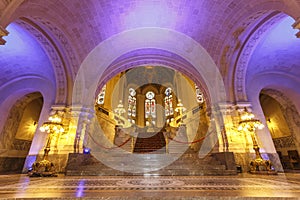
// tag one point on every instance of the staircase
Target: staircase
(189, 164)
(150, 142)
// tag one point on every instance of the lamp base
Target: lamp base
(264, 172)
(261, 166)
(43, 168)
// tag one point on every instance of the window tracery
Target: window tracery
(101, 96)
(150, 106)
(131, 105)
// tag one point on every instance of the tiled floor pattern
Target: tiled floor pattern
(151, 187)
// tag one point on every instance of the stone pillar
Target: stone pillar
(84, 116)
(226, 110)
(240, 143)
(160, 111)
(140, 110)
(217, 126)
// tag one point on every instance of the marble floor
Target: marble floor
(241, 186)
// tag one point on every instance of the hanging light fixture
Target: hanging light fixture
(120, 110)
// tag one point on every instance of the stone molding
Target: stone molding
(54, 57)
(245, 56)
(144, 60)
(71, 57)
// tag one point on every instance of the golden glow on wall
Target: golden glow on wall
(28, 123)
(274, 117)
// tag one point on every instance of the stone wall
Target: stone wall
(11, 164)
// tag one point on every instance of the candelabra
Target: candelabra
(180, 109)
(45, 167)
(120, 110)
(249, 125)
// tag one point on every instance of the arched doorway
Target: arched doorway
(282, 119)
(17, 134)
(94, 70)
(149, 99)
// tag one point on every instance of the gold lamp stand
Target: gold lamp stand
(45, 167)
(249, 124)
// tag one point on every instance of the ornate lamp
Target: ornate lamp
(46, 167)
(120, 110)
(180, 109)
(249, 124)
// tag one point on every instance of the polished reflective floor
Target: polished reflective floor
(242, 186)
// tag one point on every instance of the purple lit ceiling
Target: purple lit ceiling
(58, 35)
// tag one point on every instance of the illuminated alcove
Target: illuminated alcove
(151, 99)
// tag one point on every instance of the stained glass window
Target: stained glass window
(100, 99)
(150, 105)
(199, 95)
(168, 100)
(131, 105)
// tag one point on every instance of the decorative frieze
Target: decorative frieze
(55, 58)
(242, 64)
(284, 142)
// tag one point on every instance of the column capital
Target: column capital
(3, 32)
(240, 106)
(296, 25)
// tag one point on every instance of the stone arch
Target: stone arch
(164, 39)
(64, 47)
(16, 90)
(59, 51)
(281, 82)
(105, 53)
(284, 83)
(245, 55)
(244, 36)
(54, 41)
(159, 57)
(283, 123)
(288, 108)
(19, 130)
(54, 55)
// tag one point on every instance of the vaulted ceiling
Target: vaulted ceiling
(58, 35)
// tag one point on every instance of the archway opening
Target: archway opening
(145, 101)
(18, 132)
(280, 126)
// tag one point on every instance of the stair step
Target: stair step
(150, 142)
(188, 164)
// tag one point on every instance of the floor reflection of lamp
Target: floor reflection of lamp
(180, 109)
(249, 124)
(45, 167)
